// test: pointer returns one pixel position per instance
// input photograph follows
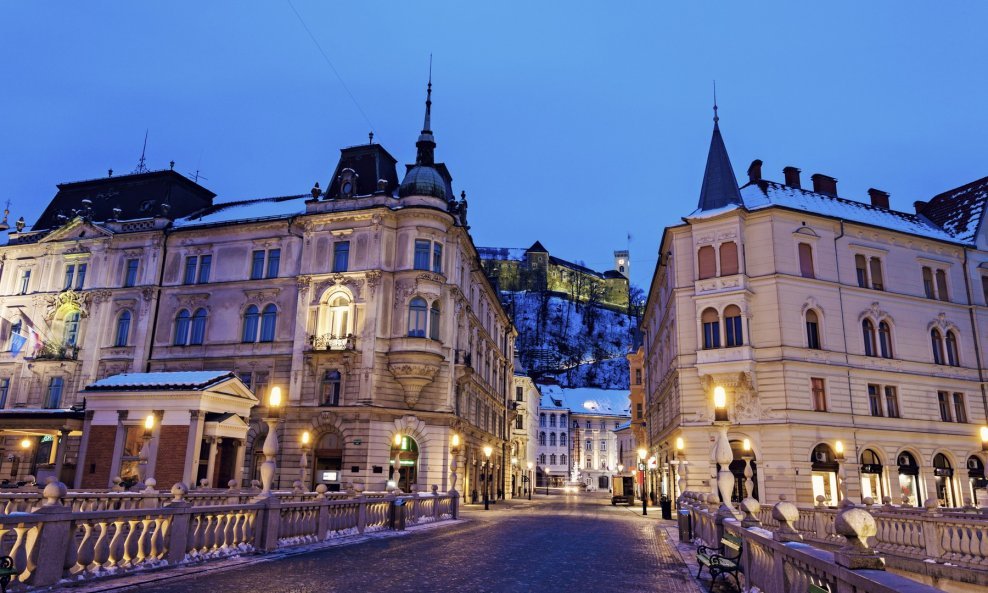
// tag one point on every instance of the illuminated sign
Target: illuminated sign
(329, 476)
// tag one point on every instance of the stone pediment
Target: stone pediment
(77, 228)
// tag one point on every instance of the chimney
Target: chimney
(920, 205)
(879, 198)
(755, 171)
(824, 184)
(792, 177)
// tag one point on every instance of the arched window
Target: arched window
(182, 328)
(711, 329)
(71, 333)
(552, 459)
(806, 261)
(542, 439)
(198, 330)
(952, 358)
(562, 420)
(868, 332)
(434, 321)
(251, 316)
(417, 310)
(542, 458)
(707, 262)
(732, 326)
(330, 388)
(269, 318)
(812, 330)
(728, 258)
(562, 459)
(339, 316)
(885, 339)
(562, 439)
(936, 341)
(552, 420)
(542, 420)
(552, 439)
(123, 329)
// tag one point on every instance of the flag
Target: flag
(17, 342)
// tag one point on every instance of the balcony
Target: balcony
(721, 284)
(332, 343)
(739, 359)
(414, 362)
(57, 351)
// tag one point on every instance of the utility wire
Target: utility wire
(332, 67)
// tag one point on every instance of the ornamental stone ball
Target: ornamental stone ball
(786, 514)
(179, 490)
(750, 507)
(321, 490)
(820, 499)
(856, 525)
(53, 491)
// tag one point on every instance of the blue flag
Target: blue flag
(17, 342)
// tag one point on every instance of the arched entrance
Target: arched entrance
(602, 483)
(943, 473)
(871, 476)
(824, 474)
(406, 453)
(327, 462)
(976, 477)
(737, 468)
(909, 479)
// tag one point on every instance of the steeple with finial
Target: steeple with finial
(427, 143)
(720, 186)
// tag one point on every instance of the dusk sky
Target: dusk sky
(573, 123)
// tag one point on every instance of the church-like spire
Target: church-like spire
(427, 143)
(720, 186)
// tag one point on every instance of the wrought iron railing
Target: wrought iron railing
(331, 342)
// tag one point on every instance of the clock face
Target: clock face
(347, 188)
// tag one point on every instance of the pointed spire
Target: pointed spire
(427, 143)
(720, 186)
(716, 118)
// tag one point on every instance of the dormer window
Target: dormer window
(348, 183)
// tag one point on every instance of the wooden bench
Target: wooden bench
(724, 560)
(7, 572)
(817, 589)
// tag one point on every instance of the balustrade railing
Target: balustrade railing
(58, 535)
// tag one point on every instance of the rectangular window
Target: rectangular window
(519, 394)
(928, 282)
(69, 275)
(876, 274)
(860, 266)
(422, 254)
(190, 270)
(257, 265)
(984, 287)
(80, 276)
(638, 411)
(341, 256)
(819, 395)
(942, 285)
(806, 260)
(274, 262)
(130, 276)
(711, 335)
(943, 400)
(891, 402)
(519, 423)
(588, 445)
(960, 412)
(437, 258)
(54, 397)
(4, 390)
(733, 330)
(875, 400)
(603, 445)
(25, 281)
(205, 262)
(638, 376)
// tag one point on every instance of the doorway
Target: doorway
(327, 464)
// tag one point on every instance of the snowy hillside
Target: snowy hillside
(578, 344)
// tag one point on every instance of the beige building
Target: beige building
(524, 433)
(365, 304)
(824, 319)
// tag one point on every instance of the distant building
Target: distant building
(524, 432)
(533, 269)
(823, 319)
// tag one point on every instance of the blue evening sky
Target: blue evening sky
(574, 123)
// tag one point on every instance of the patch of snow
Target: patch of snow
(159, 379)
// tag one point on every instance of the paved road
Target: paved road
(571, 543)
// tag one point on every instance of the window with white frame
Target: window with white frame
(197, 268)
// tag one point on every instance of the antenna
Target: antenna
(141, 164)
(196, 176)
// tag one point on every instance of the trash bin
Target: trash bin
(398, 514)
(685, 526)
(666, 503)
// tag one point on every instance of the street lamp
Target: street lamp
(839, 454)
(679, 463)
(547, 472)
(396, 474)
(514, 474)
(487, 476)
(746, 447)
(304, 462)
(270, 448)
(723, 454)
(984, 438)
(144, 455)
(454, 443)
(643, 470)
(529, 478)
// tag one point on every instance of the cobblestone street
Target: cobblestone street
(557, 544)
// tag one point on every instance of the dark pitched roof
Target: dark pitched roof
(537, 248)
(140, 195)
(720, 186)
(371, 163)
(959, 210)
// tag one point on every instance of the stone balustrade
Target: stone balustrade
(934, 544)
(81, 536)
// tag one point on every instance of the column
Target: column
(192, 447)
(60, 447)
(87, 424)
(239, 474)
(211, 463)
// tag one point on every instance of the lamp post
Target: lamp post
(514, 474)
(454, 453)
(26, 447)
(145, 454)
(841, 475)
(270, 448)
(679, 466)
(487, 476)
(547, 472)
(723, 454)
(304, 462)
(748, 483)
(984, 439)
(642, 470)
(396, 474)
(529, 476)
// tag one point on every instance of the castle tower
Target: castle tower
(622, 263)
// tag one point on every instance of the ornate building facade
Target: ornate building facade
(365, 304)
(823, 319)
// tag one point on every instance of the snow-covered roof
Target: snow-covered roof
(502, 253)
(765, 194)
(624, 425)
(244, 210)
(185, 380)
(586, 400)
(960, 210)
